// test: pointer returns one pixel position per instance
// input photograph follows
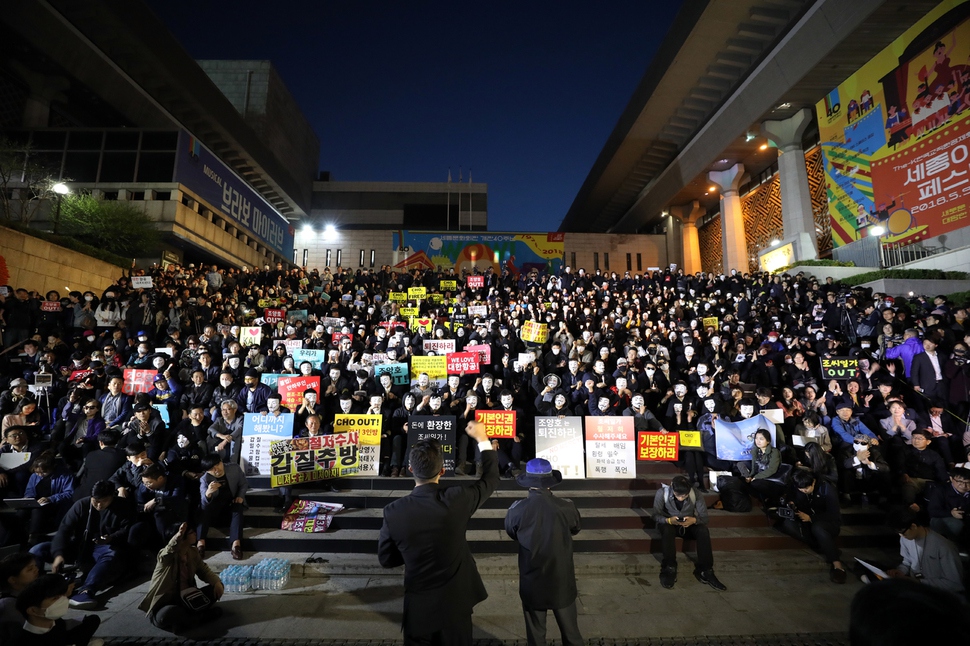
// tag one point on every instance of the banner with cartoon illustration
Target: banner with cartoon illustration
(515, 252)
(896, 135)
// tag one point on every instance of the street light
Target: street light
(60, 189)
(307, 230)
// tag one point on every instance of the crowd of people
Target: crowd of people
(673, 351)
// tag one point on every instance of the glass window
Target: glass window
(118, 167)
(327, 264)
(338, 256)
(373, 258)
(85, 141)
(639, 263)
(48, 140)
(572, 260)
(156, 167)
(606, 261)
(629, 262)
(81, 167)
(361, 258)
(596, 261)
(159, 140)
(121, 140)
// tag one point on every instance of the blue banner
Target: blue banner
(735, 439)
(316, 357)
(202, 172)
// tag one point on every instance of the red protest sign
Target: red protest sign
(463, 362)
(50, 306)
(138, 381)
(658, 446)
(475, 282)
(273, 315)
(484, 352)
(337, 337)
(291, 389)
(499, 424)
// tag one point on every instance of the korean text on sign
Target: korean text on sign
(658, 446)
(839, 368)
(535, 332)
(610, 447)
(308, 459)
(463, 362)
(499, 424)
(475, 282)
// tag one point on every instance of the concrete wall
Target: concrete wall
(652, 250)
(349, 243)
(900, 287)
(837, 273)
(956, 260)
(36, 264)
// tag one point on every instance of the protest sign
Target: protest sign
(273, 315)
(690, 441)
(398, 372)
(337, 337)
(499, 424)
(50, 306)
(734, 440)
(270, 379)
(398, 297)
(463, 362)
(439, 346)
(141, 282)
(610, 447)
(291, 389)
(417, 293)
(839, 368)
(292, 345)
(310, 516)
(475, 282)
(436, 298)
(535, 332)
(441, 428)
(410, 311)
(378, 357)
(250, 336)
(316, 357)
(658, 446)
(138, 381)
(259, 431)
(308, 459)
(424, 324)
(484, 352)
(449, 284)
(560, 440)
(163, 413)
(436, 367)
(526, 358)
(368, 429)
(166, 350)
(296, 315)
(332, 321)
(477, 310)
(710, 321)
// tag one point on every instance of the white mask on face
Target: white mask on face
(375, 402)
(560, 401)
(702, 391)
(423, 381)
(334, 375)
(90, 338)
(604, 404)
(158, 363)
(507, 401)
(234, 363)
(747, 411)
(487, 384)
(453, 382)
(637, 402)
(709, 405)
(472, 401)
(386, 381)
(678, 408)
(715, 341)
(680, 391)
(573, 366)
(183, 442)
(311, 398)
(688, 352)
(273, 404)
(435, 403)
(702, 369)
(345, 405)
(57, 609)
(620, 383)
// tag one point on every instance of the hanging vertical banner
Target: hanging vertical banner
(368, 429)
(611, 450)
(560, 440)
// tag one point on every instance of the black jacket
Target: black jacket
(98, 465)
(425, 532)
(83, 524)
(544, 526)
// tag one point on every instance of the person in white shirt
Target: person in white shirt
(927, 557)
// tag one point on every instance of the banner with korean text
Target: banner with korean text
(259, 432)
(610, 447)
(535, 332)
(291, 389)
(442, 428)
(499, 424)
(560, 440)
(368, 429)
(308, 459)
(463, 363)
(138, 381)
(662, 447)
(435, 367)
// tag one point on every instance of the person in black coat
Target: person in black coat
(425, 532)
(818, 518)
(543, 526)
(99, 465)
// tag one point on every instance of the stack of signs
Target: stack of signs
(435, 367)
(475, 282)
(535, 332)
(138, 381)
(499, 424)
(441, 428)
(259, 432)
(273, 316)
(250, 336)
(310, 516)
(368, 428)
(658, 446)
(735, 440)
(398, 372)
(560, 440)
(610, 447)
(438, 346)
(291, 389)
(463, 363)
(309, 459)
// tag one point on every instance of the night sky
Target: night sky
(524, 94)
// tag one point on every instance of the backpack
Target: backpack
(733, 496)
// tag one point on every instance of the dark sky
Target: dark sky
(523, 93)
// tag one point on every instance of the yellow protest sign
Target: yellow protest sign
(710, 321)
(368, 429)
(397, 296)
(449, 284)
(435, 298)
(417, 293)
(416, 323)
(410, 311)
(435, 367)
(690, 440)
(535, 332)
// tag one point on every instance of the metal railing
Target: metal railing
(893, 254)
(864, 253)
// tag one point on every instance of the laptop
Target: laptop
(21, 503)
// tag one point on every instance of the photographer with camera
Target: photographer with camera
(812, 515)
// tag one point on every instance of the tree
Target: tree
(32, 179)
(113, 225)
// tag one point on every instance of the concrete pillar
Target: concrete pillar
(688, 215)
(734, 245)
(44, 89)
(796, 199)
(674, 239)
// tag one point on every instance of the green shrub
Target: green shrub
(114, 225)
(960, 299)
(69, 243)
(905, 274)
(818, 263)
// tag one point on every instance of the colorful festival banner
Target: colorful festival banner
(470, 251)
(610, 447)
(896, 135)
(658, 446)
(368, 429)
(499, 424)
(560, 440)
(259, 431)
(308, 459)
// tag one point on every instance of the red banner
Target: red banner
(463, 362)
(500, 424)
(484, 352)
(475, 282)
(138, 381)
(50, 306)
(273, 315)
(291, 389)
(658, 446)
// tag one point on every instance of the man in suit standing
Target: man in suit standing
(544, 526)
(425, 532)
(926, 373)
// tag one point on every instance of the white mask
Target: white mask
(158, 363)
(560, 401)
(435, 403)
(472, 401)
(680, 391)
(311, 398)
(604, 404)
(334, 375)
(859, 447)
(573, 366)
(57, 609)
(702, 369)
(234, 363)
(225, 383)
(273, 404)
(345, 405)
(620, 383)
(709, 405)
(747, 411)
(555, 351)
(688, 352)
(637, 402)
(386, 380)
(715, 341)
(90, 338)
(183, 442)
(507, 401)
(423, 381)
(375, 402)
(453, 382)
